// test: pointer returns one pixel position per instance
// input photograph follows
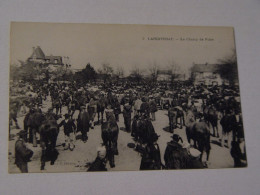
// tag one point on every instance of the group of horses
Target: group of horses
(197, 125)
(142, 131)
(47, 127)
(142, 128)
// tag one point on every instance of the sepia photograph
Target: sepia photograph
(121, 97)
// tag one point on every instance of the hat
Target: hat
(175, 137)
(194, 152)
(22, 133)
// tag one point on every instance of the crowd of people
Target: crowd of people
(199, 108)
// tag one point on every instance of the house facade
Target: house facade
(207, 74)
(52, 62)
(164, 75)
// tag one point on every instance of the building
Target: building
(164, 75)
(169, 75)
(207, 74)
(52, 62)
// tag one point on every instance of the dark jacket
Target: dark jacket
(127, 111)
(117, 109)
(68, 126)
(145, 108)
(151, 158)
(228, 123)
(98, 165)
(153, 106)
(22, 153)
(83, 121)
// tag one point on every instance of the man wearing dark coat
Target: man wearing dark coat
(117, 109)
(83, 123)
(26, 122)
(153, 108)
(145, 108)
(228, 123)
(92, 110)
(22, 153)
(173, 155)
(172, 114)
(127, 116)
(151, 158)
(69, 127)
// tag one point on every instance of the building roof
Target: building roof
(37, 53)
(51, 59)
(205, 67)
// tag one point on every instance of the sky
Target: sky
(126, 46)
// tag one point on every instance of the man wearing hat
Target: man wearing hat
(127, 116)
(151, 157)
(92, 110)
(137, 106)
(83, 123)
(153, 107)
(228, 123)
(145, 108)
(117, 109)
(22, 153)
(26, 124)
(173, 155)
(69, 127)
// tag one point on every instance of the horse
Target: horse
(101, 104)
(172, 115)
(200, 134)
(179, 115)
(48, 137)
(109, 134)
(212, 116)
(47, 127)
(34, 121)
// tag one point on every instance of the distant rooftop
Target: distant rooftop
(37, 53)
(205, 67)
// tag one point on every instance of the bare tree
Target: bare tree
(153, 69)
(175, 70)
(106, 71)
(119, 71)
(137, 74)
(228, 68)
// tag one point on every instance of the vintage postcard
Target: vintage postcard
(107, 97)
